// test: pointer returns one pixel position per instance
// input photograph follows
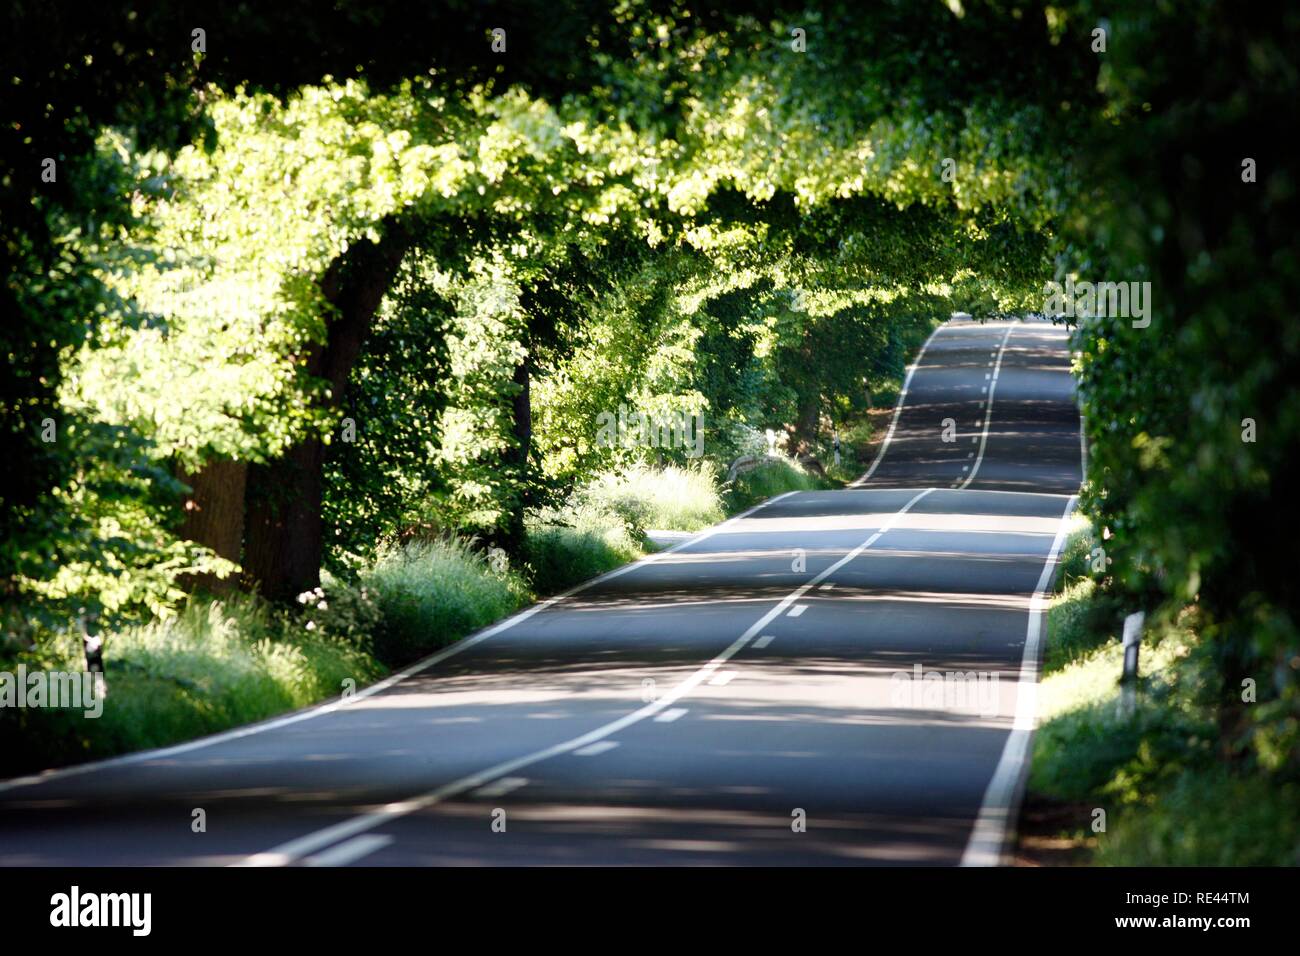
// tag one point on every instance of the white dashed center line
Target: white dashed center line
(492, 779)
(988, 411)
(499, 788)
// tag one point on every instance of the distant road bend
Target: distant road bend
(750, 696)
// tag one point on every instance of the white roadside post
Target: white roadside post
(1132, 641)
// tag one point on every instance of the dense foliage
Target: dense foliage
(342, 279)
(1194, 421)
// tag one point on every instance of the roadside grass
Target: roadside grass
(1081, 618)
(857, 439)
(213, 666)
(432, 593)
(1168, 800)
(1211, 818)
(1087, 749)
(219, 664)
(645, 498)
(604, 523)
(565, 547)
(860, 431)
(773, 477)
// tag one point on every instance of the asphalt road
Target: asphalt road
(838, 677)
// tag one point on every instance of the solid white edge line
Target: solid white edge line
(988, 413)
(994, 823)
(898, 408)
(316, 710)
(293, 850)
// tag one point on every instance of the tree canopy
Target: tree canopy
(313, 279)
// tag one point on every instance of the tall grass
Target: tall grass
(1168, 800)
(1081, 617)
(603, 525)
(431, 593)
(219, 664)
(1212, 818)
(676, 499)
(1087, 749)
(774, 477)
(213, 666)
(568, 546)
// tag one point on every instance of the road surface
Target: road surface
(838, 677)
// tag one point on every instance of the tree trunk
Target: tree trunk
(285, 540)
(214, 517)
(805, 428)
(285, 535)
(802, 376)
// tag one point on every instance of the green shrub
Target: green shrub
(1208, 818)
(673, 499)
(1077, 553)
(213, 666)
(772, 478)
(1083, 616)
(566, 547)
(1085, 749)
(431, 593)
(339, 610)
(1169, 800)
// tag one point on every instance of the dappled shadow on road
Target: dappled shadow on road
(785, 731)
(832, 710)
(543, 834)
